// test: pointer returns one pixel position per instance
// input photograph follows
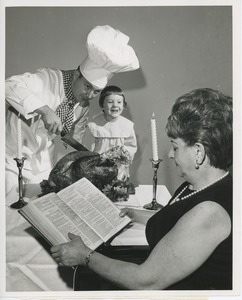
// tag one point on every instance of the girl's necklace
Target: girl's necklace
(177, 198)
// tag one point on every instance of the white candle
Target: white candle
(19, 138)
(154, 138)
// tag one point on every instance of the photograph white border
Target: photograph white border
(237, 149)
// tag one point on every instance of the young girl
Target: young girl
(110, 129)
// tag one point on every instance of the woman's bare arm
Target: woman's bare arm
(178, 254)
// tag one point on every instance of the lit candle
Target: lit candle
(154, 138)
(19, 138)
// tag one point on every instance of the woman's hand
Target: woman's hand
(137, 215)
(127, 212)
(72, 253)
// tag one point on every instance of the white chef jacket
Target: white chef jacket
(26, 93)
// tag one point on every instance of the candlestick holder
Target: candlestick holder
(153, 205)
(20, 203)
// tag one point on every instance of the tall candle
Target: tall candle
(19, 138)
(154, 138)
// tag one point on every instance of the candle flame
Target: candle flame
(153, 116)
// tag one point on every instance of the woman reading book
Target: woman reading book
(191, 237)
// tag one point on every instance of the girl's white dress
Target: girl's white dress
(104, 135)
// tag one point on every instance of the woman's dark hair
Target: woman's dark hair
(205, 116)
(109, 90)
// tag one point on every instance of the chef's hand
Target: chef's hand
(72, 253)
(51, 121)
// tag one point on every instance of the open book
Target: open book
(80, 208)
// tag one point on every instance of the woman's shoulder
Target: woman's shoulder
(221, 193)
(209, 216)
(213, 201)
(212, 207)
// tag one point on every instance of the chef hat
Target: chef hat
(108, 53)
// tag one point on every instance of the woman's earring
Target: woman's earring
(196, 165)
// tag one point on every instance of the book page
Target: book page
(54, 219)
(94, 208)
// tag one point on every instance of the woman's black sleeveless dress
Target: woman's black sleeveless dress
(216, 271)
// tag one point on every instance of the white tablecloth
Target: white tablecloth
(29, 265)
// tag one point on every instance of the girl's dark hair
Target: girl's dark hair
(205, 116)
(109, 90)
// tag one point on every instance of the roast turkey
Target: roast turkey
(76, 165)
